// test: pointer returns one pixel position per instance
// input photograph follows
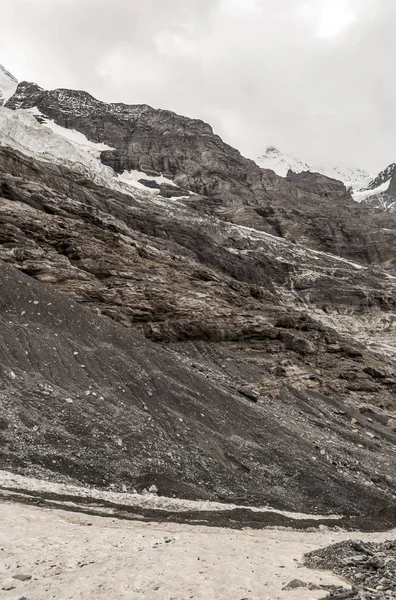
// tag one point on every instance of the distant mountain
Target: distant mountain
(376, 191)
(380, 191)
(8, 85)
(281, 163)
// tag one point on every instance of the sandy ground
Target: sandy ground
(79, 557)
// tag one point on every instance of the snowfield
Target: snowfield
(282, 163)
(63, 555)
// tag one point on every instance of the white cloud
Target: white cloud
(314, 77)
(335, 17)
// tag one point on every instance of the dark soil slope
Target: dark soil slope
(85, 398)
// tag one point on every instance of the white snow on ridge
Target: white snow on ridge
(73, 136)
(347, 175)
(49, 142)
(281, 163)
(21, 131)
(8, 85)
(357, 181)
(15, 482)
(132, 177)
(362, 194)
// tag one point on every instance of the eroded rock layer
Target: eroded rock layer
(272, 379)
(310, 209)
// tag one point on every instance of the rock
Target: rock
(150, 183)
(363, 386)
(297, 343)
(294, 585)
(8, 585)
(375, 372)
(22, 577)
(365, 570)
(249, 393)
(172, 191)
(153, 489)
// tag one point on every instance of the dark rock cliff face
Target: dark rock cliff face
(252, 399)
(272, 379)
(312, 210)
(380, 198)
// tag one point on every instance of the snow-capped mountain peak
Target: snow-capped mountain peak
(383, 177)
(8, 85)
(281, 163)
(377, 191)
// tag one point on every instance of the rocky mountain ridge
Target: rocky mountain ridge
(377, 191)
(272, 376)
(224, 183)
(282, 163)
(381, 191)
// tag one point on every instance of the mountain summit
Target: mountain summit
(8, 85)
(377, 191)
(281, 163)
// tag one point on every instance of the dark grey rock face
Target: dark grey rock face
(272, 379)
(308, 208)
(93, 402)
(247, 402)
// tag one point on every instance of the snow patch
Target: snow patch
(133, 177)
(33, 134)
(73, 136)
(8, 85)
(360, 195)
(72, 555)
(24, 484)
(281, 163)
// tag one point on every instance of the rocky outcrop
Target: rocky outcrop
(369, 567)
(316, 212)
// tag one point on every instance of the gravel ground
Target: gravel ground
(370, 567)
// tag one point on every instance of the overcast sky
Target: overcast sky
(315, 78)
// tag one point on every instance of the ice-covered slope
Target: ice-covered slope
(380, 191)
(37, 136)
(8, 85)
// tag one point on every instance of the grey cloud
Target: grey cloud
(257, 70)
